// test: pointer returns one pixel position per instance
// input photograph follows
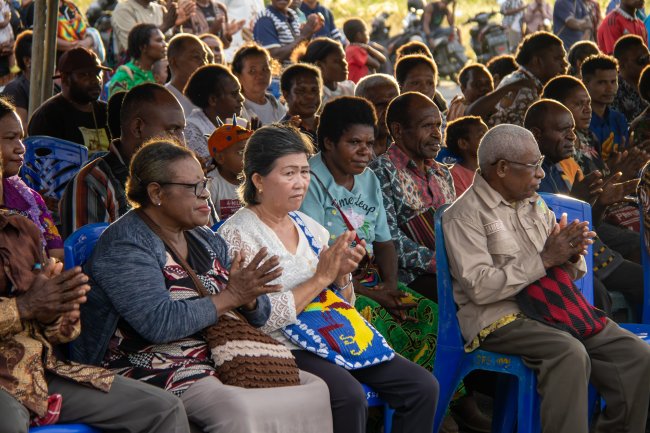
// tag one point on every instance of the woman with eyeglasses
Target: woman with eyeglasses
(145, 318)
(276, 182)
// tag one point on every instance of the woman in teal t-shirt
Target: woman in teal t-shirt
(146, 45)
(346, 134)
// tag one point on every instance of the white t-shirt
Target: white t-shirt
(343, 88)
(270, 112)
(224, 195)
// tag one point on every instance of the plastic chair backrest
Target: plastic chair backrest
(50, 163)
(580, 210)
(78, 247)
(448, 328)
(643, 191)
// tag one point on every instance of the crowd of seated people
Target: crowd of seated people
(269, 184)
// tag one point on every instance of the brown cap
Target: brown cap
(79, 60)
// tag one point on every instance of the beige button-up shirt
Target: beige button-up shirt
(494, 252)
(128, 14)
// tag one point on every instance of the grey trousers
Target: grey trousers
(614, 360)
(130, 406)
(219, 408)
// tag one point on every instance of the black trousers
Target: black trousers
(627, 278)
(408, 388)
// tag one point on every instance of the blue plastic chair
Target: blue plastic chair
(577, 209)
(50, 163)
(373, 401)
(580, 210)
(78, 247)
(452, 364)
(64, 428)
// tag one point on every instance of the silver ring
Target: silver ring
(571, 245)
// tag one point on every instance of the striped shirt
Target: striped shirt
(273, 29)
(96, 194)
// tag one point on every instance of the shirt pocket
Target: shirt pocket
(536, 232)
(502, 247)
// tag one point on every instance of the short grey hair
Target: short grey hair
(504, 141)
(371, 81)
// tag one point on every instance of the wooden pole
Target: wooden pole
(51, 27)
(38, 51)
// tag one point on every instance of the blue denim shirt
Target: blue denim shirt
(127, 282)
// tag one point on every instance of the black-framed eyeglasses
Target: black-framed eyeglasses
(199, 187)
(534, 166)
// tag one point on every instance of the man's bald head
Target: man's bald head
(149, 110)
(541, 111)
(553, 126)
(401, 109)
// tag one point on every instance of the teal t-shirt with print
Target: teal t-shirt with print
(363, 205)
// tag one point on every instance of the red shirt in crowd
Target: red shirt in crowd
(616, 24)
(356, 57)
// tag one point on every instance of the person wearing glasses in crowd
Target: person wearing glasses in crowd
(632, 55)
(502, 242)
(145, 318)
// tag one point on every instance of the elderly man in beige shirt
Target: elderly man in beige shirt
(501, 237)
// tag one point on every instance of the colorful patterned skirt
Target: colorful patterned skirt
(415, 341)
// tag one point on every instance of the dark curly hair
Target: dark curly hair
(341, 113)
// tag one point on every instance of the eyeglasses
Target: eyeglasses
(199, 187)
(534, 166)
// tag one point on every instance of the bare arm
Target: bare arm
(375, 58)
(486, 105)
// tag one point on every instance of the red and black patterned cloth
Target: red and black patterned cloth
(556, 301)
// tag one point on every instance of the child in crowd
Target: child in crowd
(362, 58)
(462, 138)
(328, 55)
(226, 145)
(160, 71)
(295, 5)
(475, 81)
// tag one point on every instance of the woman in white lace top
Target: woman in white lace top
(276, 178)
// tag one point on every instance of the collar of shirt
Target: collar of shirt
(624, 14)
(402, 161)
(290, 16)
(597, 120)
(554, 176)
(491, 197)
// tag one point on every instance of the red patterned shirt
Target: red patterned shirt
(407, 192)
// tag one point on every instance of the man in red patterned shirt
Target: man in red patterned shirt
(619, 22)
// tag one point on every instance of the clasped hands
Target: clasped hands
(566, 242)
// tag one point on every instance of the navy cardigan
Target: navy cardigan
(127, 282)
